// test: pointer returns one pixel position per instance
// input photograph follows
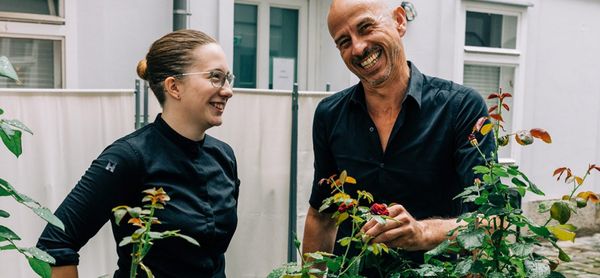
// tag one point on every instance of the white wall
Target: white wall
(563, 90)
(111, 37)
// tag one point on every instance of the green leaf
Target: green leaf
(40, 255)
(18, 124)
(119, 214)
(7, 70)
(12, 142)
(4, 213)
(562, 233)
(522, 249)
(345, 241)
(126, 240)
(534, 189)
(463, 267)
(537, 269)
(555, 274)
(539, 230)
(379, 219)
(516, 181)
(189, 239)
(40, 267)
(480, 169)
(147, 270)
(563, 256)
(471, 239)
(440, 249)
(7, 233)
(341, 217)
(560, 212)
(297, 242)
(500, 172)
(47, 215)
(9, 246)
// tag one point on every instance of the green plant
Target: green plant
(10, 133)
(497, 240)
(142, 238)
(348, 208)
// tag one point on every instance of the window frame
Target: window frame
(491, 56)
(37, 18)
(263, 38)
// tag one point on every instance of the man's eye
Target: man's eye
(365, 27)
(217, 75)
(343, 43)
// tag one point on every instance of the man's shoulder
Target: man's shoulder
(336, 101)
(436, 86)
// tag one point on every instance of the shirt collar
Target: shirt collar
(414, 90)
(189, 146)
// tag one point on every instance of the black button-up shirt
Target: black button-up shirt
(201, 179)
(428, 159)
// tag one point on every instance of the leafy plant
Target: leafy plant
(497, 240)
(10, 133)
(143, 218)
(348, 208)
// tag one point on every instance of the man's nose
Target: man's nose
(358, 47)
(226, 91)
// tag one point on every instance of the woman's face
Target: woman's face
(202, 101)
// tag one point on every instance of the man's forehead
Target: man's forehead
(352, 12)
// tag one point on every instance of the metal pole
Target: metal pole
(293, 177)
(327, 87)
(145, 104)
(137, 103)
(180, 14)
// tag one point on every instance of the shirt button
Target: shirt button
(381, 165)
(371, 129)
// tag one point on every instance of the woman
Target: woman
(187, 71)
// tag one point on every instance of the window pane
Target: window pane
(491, 30)
(47, 7)
(244, 45)
(283, 41)
(37, 62)
(487, 80)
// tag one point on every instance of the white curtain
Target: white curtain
(72, 129)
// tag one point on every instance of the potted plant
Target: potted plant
(498, 240)
(10, 133)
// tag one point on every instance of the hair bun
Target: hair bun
(142, 69)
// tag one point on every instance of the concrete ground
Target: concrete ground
(584, 253)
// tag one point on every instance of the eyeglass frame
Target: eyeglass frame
(229, 77)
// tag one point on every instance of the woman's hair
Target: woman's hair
(169, 56)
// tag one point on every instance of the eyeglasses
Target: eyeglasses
(217, 78)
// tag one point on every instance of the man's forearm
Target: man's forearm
(436, 231)
(319, 232)
(67, 271)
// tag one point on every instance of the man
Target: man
(401, 134)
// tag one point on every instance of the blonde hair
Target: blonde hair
(168, 56)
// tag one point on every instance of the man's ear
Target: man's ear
(172, 87)
(400, 18)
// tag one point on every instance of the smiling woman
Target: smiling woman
(188, 73)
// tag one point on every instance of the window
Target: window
(36, 11)
(244, 45)
(36, 61)
(37, 52)
(268, 49)
(493, 55)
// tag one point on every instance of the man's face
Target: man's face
(368, 36)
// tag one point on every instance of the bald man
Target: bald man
(400, 133)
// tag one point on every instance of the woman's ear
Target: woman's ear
(172, 87)
(400, 18)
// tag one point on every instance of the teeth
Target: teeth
(371, 60)
(218, 105)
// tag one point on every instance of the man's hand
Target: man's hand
(406, 232)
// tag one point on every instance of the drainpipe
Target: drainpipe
(181, 14)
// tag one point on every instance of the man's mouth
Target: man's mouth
(371, 60)
(218, 105)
